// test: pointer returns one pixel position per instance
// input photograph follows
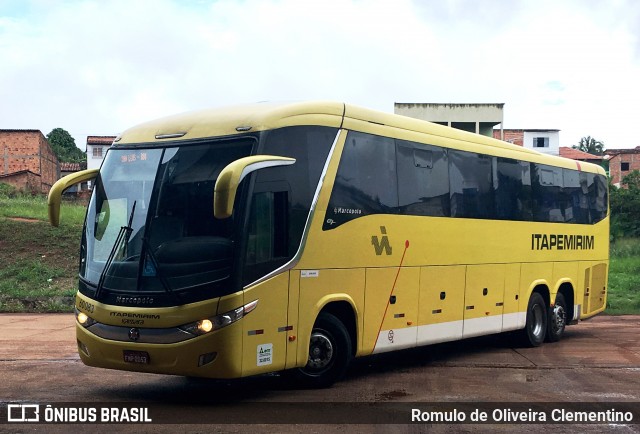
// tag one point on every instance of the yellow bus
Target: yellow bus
(240, 241)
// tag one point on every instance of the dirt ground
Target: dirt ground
(597, 366)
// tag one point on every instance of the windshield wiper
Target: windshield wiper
(156, 267)
(123, 235)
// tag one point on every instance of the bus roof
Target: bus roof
(228, 121)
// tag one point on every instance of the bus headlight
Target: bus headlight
(219, 321)
(84, 319)
(205, 326)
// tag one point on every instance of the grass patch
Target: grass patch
(35, 207)
(36, 285)
(38, 263)
(624, 277)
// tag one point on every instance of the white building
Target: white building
(545, 141)
(96, 150)
(475, 118)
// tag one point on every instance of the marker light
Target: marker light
(219, 321)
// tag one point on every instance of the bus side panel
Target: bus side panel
(441, 304)
(593, 283)
(391, 308)
(321, 287)
(584, 287)
(513, 317)
(532, 275)
(264, 331)
(564, 272)
(293, 315)
(598, 287)
(484, 300)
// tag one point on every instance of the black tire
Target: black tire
(557, 320)
(535, 329)
(329, 353)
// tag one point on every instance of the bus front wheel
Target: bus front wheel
(535, 329)
(329, 353)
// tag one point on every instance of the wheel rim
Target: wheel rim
(558, 318)
(537, 326)
(320, 352)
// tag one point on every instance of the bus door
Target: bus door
(265, 330)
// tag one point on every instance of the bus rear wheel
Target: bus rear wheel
(557, 319)
(329, 353)
(535, 329)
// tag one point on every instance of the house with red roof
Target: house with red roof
(622, 162)
(545, 141)
(96, 150)
(576, 154)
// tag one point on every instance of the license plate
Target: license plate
(141, 357)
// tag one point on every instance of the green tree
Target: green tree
(590, 145)
(632, 181)
(65, 147)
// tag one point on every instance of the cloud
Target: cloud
(98, 67)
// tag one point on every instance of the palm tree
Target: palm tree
(590, 145)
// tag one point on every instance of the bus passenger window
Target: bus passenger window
(598, 200)
(512, 183)
(547, 184)
(423, 180)
(575, 204)
(471, 185)
(366, 181)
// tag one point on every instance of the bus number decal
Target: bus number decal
(265, 354)
(87, 307)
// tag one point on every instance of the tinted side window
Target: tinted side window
(546, 186)
(282, 196)
(512, 182)
(423, 180)
(310, 146)
(598, 198)
(575, 201)
(471, 185)
(378, 175)
(366, 181)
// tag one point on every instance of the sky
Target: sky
(100, 67)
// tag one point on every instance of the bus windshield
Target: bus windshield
(150, 229)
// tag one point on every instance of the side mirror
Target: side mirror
(224, 193)
(55, 194)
